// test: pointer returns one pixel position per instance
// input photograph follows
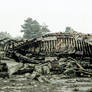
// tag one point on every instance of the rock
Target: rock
(62, 60)
(46, 69)
(12, 65)
(27, 74)
(15, 68)
(3, 70)
(50, 58)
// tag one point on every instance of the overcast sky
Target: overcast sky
(57, 14)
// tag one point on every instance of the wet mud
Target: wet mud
(22, 83)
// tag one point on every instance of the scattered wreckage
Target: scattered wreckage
(56, 53)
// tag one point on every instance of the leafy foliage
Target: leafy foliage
(32, 29)
(70, 30)
(4, 35)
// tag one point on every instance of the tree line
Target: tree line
(32, 29)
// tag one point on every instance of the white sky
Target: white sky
(57, 14)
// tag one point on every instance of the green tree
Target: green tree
(44, 29)
(70, 30)
(31, 29)
(4, 35)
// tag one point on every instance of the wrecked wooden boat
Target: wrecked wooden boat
(64, 43)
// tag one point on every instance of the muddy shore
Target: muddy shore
(22, 83)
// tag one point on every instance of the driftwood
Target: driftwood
(25, 59)
(80, 66)
(85, 72)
